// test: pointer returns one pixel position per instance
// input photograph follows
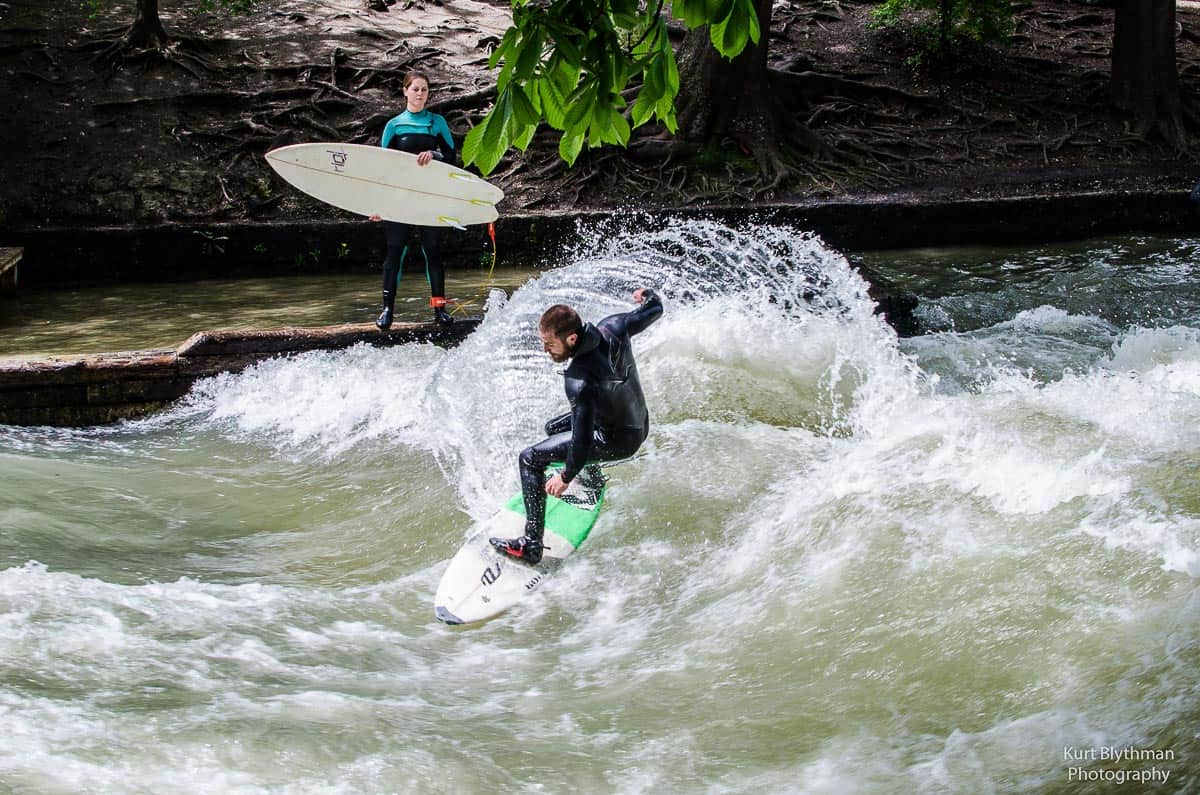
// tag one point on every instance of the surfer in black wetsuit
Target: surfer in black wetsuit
(608, 419)
(425, 134)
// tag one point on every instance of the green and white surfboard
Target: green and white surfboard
(480, 583)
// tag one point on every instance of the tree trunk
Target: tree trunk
(1145, 78)
(721, 100)
(945, 28)
(147, 30)
(714, 92)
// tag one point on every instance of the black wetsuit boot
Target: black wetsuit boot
(384, 321)
(533, 486)
(393, 267)
(435, 273)
(439, 310)
(524, 548)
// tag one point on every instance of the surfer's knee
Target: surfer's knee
(529, 457)
(537, 457)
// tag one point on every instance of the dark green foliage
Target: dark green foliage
(566, 62)
(938, 24)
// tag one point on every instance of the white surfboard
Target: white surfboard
(481, 583)
(371, 180)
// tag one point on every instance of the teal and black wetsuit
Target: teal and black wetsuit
(419, 132)
(414, 133)
(608, 419)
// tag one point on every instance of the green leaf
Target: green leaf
(486, 144)
(652, 81)
(566, 76)
(503, 49)
(619, 128)
(623, 8)
(523, 110)
(652, 90)
(510, 63)
(627, 22)
(580, 104)
(719, 9)
(471, 143)
(671, 82)
(719, 34)
(666, 112)
(607, 126)
(594, 137)
(752, 17)
(569, 147)
(731, 34)
(523, 137)
(646, 37)
(566, 44)
(643, 109)
(531, 55)
(669, 120)
(553, 91)
(693, 13)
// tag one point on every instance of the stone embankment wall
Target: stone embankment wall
(94, 389)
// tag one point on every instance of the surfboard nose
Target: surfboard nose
(446, 616)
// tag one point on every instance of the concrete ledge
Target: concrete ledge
(57, 256)
(100, 388)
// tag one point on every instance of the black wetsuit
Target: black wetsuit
(608, 419)
(416, 133)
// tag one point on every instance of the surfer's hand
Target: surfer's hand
(375, 218)
(555, 486)
(424, 158)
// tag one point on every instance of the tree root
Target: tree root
(837, 130)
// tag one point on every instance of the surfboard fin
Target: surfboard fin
(448, 221)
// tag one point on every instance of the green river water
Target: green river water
(965, 562)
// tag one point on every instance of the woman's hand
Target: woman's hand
(424, 158)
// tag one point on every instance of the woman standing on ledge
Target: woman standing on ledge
(426, 135)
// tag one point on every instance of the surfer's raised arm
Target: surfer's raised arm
(640, 319)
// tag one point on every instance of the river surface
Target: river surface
(129, 317)
(964, 562)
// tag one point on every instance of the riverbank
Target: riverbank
(148, 141)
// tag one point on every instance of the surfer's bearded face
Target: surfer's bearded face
(559, 349)
(417, 95)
